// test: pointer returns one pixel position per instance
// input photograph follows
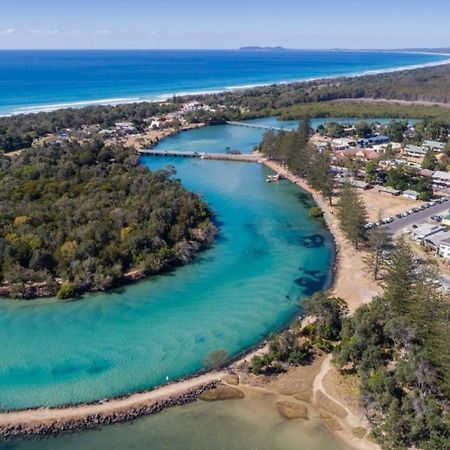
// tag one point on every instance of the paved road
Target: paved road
(418, 217)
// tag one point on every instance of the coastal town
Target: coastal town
(92, 201)
(412, 203)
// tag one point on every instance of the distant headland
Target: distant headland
(262, 48)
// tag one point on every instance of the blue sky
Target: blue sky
(224, 24)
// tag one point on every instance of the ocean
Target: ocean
(43, 80)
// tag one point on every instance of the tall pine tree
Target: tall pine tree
(378, 240)
(352, 214)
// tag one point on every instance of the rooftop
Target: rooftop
(427, 229)
(442, 175)
(416, 149)
(435, 144)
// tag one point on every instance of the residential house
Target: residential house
(412, 195)
(343, 143)
(388, 190)
(441, 180)
(358, 153)
(355, 183)
(426, 173)
(415, 151)
(436, 146)
(434, 241)
(374, 140)
(381, 148)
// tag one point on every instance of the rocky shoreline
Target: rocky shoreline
(57, 426)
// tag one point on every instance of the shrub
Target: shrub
(309, 330)
(315, 212)
(68, 290)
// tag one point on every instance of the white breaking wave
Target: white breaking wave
(166, 96)
(75, 104)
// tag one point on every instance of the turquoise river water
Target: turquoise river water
(267, 255)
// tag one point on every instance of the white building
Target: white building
(415, 151)
(343, 143)
(125, 126)
(444, 248)
(412, 195)
(434, 241)
(425, 231)
(441, 179)
(436, 146)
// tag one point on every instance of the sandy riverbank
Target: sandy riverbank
(349, 264)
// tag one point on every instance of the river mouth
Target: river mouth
(248, 424)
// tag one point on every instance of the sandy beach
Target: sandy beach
(318, 385)
(349, 262)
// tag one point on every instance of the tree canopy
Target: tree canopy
(89, 214)
(398, 345)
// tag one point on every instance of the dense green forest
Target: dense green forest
(364, 110)
(17, 132)
(431, 84)
(399, 346)
(82, 216)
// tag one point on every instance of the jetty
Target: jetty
(255, 125)
(201, 155)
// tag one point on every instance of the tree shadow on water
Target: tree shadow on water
(311, 281)
(312, 241)
(305, 199)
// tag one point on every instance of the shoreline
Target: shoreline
(42, 290)
(45, 421)
(163, 97)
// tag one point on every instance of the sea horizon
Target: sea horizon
(90, 77)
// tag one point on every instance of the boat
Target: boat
(274, 178)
